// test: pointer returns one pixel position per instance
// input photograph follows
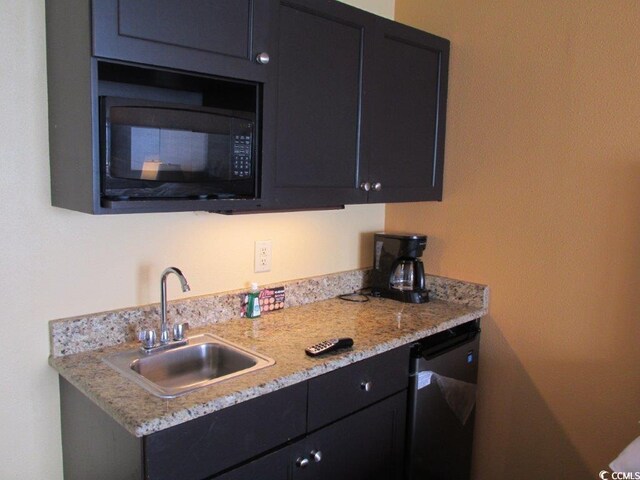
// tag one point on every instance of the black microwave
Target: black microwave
(152, 150)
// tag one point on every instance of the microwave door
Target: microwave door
(177, 152)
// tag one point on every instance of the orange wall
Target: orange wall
(542, 202)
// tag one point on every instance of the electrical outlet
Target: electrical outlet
(262, 257)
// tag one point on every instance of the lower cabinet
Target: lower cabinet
(367, 445)
(96, 447)
(346, 424)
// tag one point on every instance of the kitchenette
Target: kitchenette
(267, 142)
(245, 108)
(341, 414)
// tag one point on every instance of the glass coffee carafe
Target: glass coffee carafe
(407, 275)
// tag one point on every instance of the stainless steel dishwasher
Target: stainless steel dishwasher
(442, 394)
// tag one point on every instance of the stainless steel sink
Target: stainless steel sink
(205, 360)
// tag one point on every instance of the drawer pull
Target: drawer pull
(366, 386)
(263, 58)
(316, 455)
(302, 462)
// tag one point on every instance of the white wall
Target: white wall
(57, 263)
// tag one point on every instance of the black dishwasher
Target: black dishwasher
(442, 394)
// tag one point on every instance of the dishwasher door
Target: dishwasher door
(442, 389)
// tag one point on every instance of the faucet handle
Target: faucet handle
(147, 338)
(179, 330)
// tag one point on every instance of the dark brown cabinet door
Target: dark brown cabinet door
(321, 45)
(368, 445)
(408, 85)
(221, 37)
(274, 466)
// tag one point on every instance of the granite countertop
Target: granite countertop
(375, 326)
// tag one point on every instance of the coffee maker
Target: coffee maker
(398, 272)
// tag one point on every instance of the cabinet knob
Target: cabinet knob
(302, 462)
(366, 186)
(263, 58)
(377, 186)
(316, 455)
(366, 386)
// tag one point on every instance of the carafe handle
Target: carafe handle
(420, 274)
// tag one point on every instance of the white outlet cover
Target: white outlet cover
(262, 256)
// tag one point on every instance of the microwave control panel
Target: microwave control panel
(241, 156)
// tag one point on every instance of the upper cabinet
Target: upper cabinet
(320, 89)
(361, 105)
(339, 106)
(406, 120)
(229, 38)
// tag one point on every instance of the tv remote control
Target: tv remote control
(328, 346)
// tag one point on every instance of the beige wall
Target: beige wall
(542, 202)
(57, 263)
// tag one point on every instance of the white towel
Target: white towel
(459, 395)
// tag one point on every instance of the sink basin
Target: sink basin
(205, 360)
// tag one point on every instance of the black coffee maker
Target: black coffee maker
(398, 272)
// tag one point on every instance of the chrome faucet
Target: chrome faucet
(164, 328)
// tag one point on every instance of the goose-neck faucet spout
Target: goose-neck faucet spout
(164, 328)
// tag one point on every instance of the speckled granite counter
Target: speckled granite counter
(375, 326)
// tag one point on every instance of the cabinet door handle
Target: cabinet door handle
(366, 386)
(263, 58)
(302, 462)
(377, 186)
(316, 455)
(366, 186)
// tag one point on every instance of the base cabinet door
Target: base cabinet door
(368, 445)
(273, 466)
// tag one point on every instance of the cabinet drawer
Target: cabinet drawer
(202, 447)
(343, 391)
